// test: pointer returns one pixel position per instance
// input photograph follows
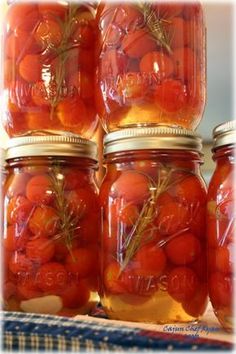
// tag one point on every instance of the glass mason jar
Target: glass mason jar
(151, 67)
(51, 223)
(49, 67)
(221, 224)
(153, 202)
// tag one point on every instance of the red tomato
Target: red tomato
(53, 9)
(185, 63)
(22, 16)
(131, 86)
(16, 183)
(182, 284)
(75, 295)
(197, 222)
(131, 186)
(150, 260)
(112, 279)
(82, 262)
(40, 250)
(20, 264)
(19, 210)
(72, 112)
(30, 68)
(9, 290)
(44, 221)
(189, 190)
(82, 201)
(171, 95)
(158, 63)
(48, 34)
(39, 190)
(15, 237)
(178, 30)
(74, 179)
(183, 249)
(52, 277)
(168, 9)
(27, 289)
(86, 60)
(110, 241)
(196, 306)
(192, 10)
(83, 84)
(83, 34)
(220, 290)
(136, 44)
(128, 214)
(42, 120)
(200, 265)
(225, 256)
(127, 17)
(113, 63)
(89, 228)
(172, 217)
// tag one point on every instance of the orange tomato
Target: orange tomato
(15, 238)
(82, 262)
(171, 218)
(40, 94)
(20, 264)
(183, 249)
(48, 34)
(10, 72)
(40, 250)
(83, 84)
(19, 210)
(136, 44)
(42, 120)
(111, 279)
(131, 186)
(30, 68)
(150, 260)
(72, 112)
(16, 184)
(182, 284)
(171, 95)
(75, 295)
(220, 290)
(158, 63)
(52, 277)
(38, 190)
(44, 221)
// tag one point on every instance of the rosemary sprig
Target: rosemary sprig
(68, 220)
(63, 53)
(154, 24)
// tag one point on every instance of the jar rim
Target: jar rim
(66, 145)
(224, 134)
(151, 138)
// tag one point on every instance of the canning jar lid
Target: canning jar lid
(224, 134)
(2, 157)
(68, 145)
(149, 138)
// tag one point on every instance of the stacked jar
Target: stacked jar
(150, 95)
(221, 224)
(51, 223)
(51, 212)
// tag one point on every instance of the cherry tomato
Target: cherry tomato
(131, 186)
(220, 290)
(88, 230)
(113, 63)
(177, 28)
(15, 237)
(48, 33)
(39, 94)
(196, 306)
(172, 217)
(40, 250)
(182, 284)
(150, 260)
(9, 72)
(129, 214)
(72, 112)
(127, 17)
(110, 241)
(74, 179)
(53, 9)
(81, 201)
(39, 190)
(52, 277)
(131, 86)
(189, 190)
(168, 9)
(171, 95)
(197, 222)
(22, 16)
(15, 184)
(185, 63)
(82, 83)
(158, 63)
(19, 210)
(9, 290)
(86, 60)
(136, 44)
(83, 34)
(75, 295)
(183, 249)
(19, 263)
(30, 68)
(27, 289)
(224, 256)
(82, 262)
(44, 221)
(42, 120)
(111, 279)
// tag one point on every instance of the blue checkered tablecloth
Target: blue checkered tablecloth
(33, 332)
